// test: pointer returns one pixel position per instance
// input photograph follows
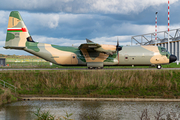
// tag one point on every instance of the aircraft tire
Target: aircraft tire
(95, 67)
(159, 66)
(90, 67)
(100, 68)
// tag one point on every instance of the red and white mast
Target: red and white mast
(168, 28)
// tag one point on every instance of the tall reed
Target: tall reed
(114, 82)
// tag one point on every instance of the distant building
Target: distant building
(162, 40)
(2, 61)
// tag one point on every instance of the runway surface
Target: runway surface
(90, 69)
(102, 99)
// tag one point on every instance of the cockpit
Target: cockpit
(29, 39)
(163, 50)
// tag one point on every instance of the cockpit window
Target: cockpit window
(163, 50)
(29, 39)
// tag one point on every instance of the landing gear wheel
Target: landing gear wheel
(100, 68)
(95, 68)
(159, 66)
(90, 68)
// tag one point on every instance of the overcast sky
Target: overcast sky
(67, 22)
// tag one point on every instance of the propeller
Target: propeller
(118, 48)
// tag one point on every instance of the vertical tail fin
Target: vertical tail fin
(17, 32)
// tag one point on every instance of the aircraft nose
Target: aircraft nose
(172, 58)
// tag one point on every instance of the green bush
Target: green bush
(1, 91)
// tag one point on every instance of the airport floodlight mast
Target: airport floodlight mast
(168, 28)
(156, 29)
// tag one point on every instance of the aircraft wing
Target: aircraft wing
(109, 50)
(89, 45)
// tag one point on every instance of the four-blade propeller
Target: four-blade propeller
(118, 48)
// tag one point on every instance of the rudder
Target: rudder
(17, 32)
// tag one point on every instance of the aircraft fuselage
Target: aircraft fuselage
(129, 55)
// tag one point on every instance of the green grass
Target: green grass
(43, 115)
(28, 65)
(172, 65)
(1, 91)
(6, 96)
(118, 83)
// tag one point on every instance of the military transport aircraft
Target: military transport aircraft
(90, 54)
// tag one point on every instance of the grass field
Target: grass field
(99, 83)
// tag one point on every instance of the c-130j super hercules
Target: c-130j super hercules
(89, 54)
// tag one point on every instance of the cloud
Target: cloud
(124, 40)
(81, 6)
(52, 20)
(3, 37)
(4, 17)
(79, 26)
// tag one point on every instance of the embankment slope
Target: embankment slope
(96, 83)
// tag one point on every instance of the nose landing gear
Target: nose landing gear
(159, 66)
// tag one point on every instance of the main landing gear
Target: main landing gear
(159, 66)
(95, 67)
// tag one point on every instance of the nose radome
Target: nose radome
(172, 58)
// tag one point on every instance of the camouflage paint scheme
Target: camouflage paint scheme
(90, 53)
